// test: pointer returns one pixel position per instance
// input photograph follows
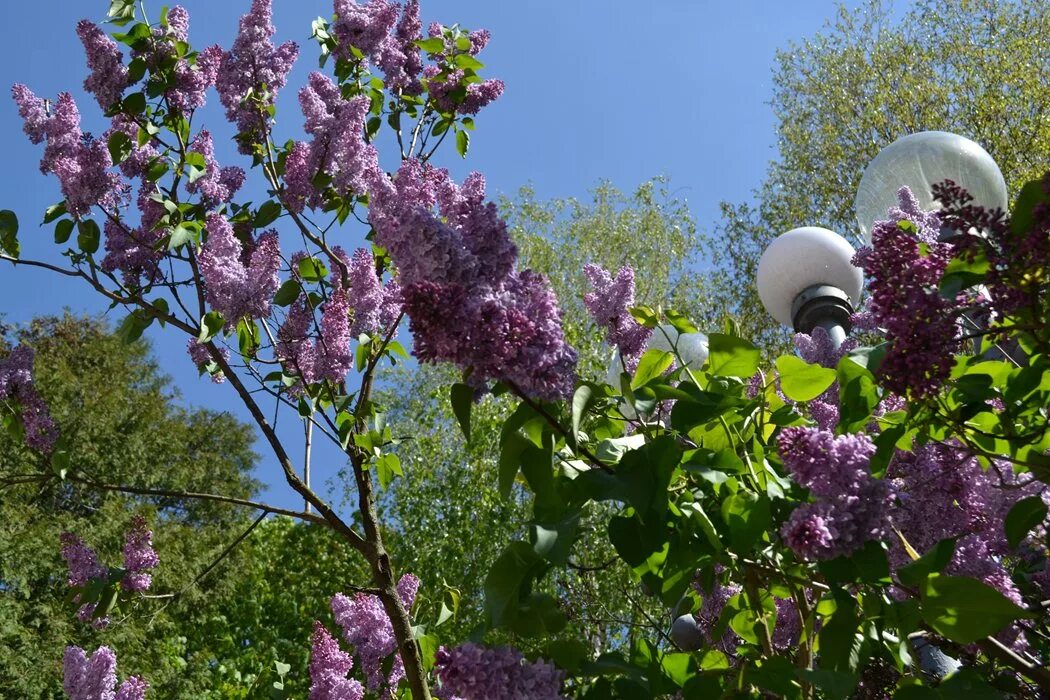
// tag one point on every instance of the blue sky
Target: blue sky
(596, 89)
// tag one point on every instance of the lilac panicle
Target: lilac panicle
(236, 288)
(82, 561)
(109, 75)
(474, 672)
(139, 556)
(179, 23)
(201, 357)
(95, 677)
(252, 63)
(31, 109)
(399, 57)
(16, 385)
(217, 185)
(367, 295)
(609, 302)
(328, 668)
(363, 26)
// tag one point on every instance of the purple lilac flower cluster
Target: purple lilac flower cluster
(109, 76)
(817, 348)
(201, 357)
(338, 152)
(216, 185)
(84, 567)
(1014, 256)
(80, 162)
(376, 31)
(253, 65)
(139, 556)
(137, 252)
(713, 602)
(904, 265)
(367, 629)
(95, 677)
(851, 506)
(474, 672)
(16, 385)
(449, 87)
(465, 301)
(191, 78)
(328, 668)
(239, 280)
(609, 302)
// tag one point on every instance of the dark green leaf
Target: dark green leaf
(267, 214)
(1023, 516)
(120, 147)
(211, 326)
(747, 516)
(88, 236)
(63, 230)
(964, 609)
(135, 103)
(54, 211)
(9, 233)
(462, 143)
(133, 325)
(288, 293)
(462, 397)
(931, 562)
(312, 269)
(582, 400)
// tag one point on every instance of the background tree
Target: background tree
(123, 421)
(979, 68)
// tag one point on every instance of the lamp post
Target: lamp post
(806, 280)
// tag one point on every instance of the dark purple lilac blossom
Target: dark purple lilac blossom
(851, 506)
(713, 602)
(904, 265)
(338, 150)
(16, 385)
(239, 283)
(253, 64)
(367, 629)
(109, 75)
(474, 672)
(328, 668)
(95, 677)
(139, 556)
(609, 303)
(217, 185)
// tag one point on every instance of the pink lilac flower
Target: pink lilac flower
(328, 668)
(252, 63)
(95, 677)
(851, 508)
(399, 57)
(201, 357)
(237, 283)
(609, 302)
(217, 185)
(109, 75)
(367, 629)
(179, 23)
(363, 26)
(139, 556)
(474, 672)
(16, 384)
(338, 149)
(904, 273)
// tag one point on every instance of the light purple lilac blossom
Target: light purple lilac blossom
(95, 677)
(216, 185)
(252, 63)
(363, 26)
(82, 561)
(367, 629)
(398, 56)
(201, 357)
(851, 506)
(237, 282)
(109, 75)
(16, 385)
(609, 303)
(137, 252)
(474, 672)
(139, 556)
(328, 668)
(904, 268)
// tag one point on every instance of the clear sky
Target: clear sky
(596, 89)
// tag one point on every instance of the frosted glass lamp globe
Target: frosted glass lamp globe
(920, 161)
(801, 259)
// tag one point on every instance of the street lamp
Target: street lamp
(806, 279)
(920, 161)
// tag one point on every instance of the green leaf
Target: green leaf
(54, 211)
(121, 12)
(88, 236)
(288, 293)
(962, 273)
(651, 366)
(135, 103)
(732, 356)
(964, 609)
(858, 395)
(747, 516)
(211, 326)
(467, 62)
(133, 325)
(9, 233)
(63, 230)
(511, 570)
(802, 381)
(267, 214)
(1022, 217)
(462, 397)
(120, 147)
(581, 401)
(432, 45)
(1023, 516)
(312, 269)
(931, 562)
(462, 143)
